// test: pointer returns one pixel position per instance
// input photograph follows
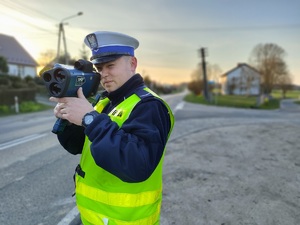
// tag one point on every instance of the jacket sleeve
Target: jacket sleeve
(72, 139)
(133, 151)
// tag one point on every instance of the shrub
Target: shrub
(29, 106)
(196, 86)
(4, 109)
(39, 80)
(31, 84)
(27, 79)
(19, 85)
(15, 79)
(5, 81)
(7, 96)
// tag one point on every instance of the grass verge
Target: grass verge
(248, 102)
(24, 107)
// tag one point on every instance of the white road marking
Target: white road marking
(179, 106)
(20, 141)
(69, 217)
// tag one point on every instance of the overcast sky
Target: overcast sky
(170, 31)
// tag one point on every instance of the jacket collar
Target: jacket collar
(127, 89)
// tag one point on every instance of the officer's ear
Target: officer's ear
(133, 63)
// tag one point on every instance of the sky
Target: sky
(170, 32)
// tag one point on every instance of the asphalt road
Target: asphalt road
(227, 166)
(223, 166)
(36, 173)
(36, 184)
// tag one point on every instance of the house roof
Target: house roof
(238, 66)
(14, 53)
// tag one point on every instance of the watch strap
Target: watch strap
(92, 113)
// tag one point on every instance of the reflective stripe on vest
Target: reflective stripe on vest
(118, 199)
(97, 218)
(101, 196)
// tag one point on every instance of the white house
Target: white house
(20, 62)
(241, 80)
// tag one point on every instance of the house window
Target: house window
(21, 72)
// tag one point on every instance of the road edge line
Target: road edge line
(68, 219)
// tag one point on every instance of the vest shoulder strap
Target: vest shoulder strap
(144, 92)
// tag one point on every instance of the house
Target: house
(20, 62)
(241, 80)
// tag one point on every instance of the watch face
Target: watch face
(88, 119)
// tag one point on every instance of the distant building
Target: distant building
(20, 62)
(241, 80)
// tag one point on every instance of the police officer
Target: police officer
(121, 139)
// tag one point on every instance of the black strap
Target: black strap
(97, 98)
(80, 172)
(142, 93)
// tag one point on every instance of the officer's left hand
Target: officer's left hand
(71, 108)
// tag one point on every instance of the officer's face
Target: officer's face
(114, 74)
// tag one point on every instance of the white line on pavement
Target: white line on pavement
(179, 106)
(20, 141)
(69, 217)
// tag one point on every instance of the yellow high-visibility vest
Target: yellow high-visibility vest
(103, 198)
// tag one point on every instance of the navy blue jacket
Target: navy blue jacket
(133, 151)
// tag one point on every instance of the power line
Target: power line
(20, 7)
(28, 11)
(246, 28)
(207, 29)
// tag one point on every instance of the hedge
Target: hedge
(7, 96)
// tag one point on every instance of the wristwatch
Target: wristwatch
(89, 118)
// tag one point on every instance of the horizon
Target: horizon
(170, 32)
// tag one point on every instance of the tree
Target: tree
(196, 83)
(46, 58)
(65, 59)
(196, 86)
(268, 59)
(285, 84)
(84, 52)
(3, 65)
(213, 72)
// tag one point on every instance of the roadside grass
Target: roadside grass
(24, 107)
(290, 94)
(248, 102)
(27, 107)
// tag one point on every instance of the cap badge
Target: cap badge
(92, 39)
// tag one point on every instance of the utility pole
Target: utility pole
(61, 34)
(205, 89)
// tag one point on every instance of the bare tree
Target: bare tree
(285, 84)
(84, 52)
(196, 84)
(47, 57)
(213, 72)
(268, 59)
(197, 74)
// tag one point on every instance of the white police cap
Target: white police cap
(107, 46)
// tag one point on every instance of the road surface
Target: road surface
(223, 166)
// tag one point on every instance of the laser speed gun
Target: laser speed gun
(64, 81)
